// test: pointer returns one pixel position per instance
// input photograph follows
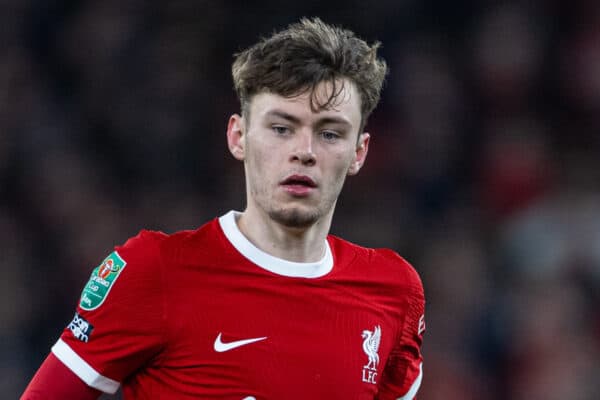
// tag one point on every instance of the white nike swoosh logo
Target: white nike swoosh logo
(221, 347)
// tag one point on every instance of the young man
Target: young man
(260, 304)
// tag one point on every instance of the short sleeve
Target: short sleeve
(403, 372)
(118, 325)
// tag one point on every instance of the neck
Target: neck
(306, 244)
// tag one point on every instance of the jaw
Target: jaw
(296, 216)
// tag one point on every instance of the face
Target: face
(296, 160)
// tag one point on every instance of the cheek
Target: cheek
(261, 164)
(338, 168)
(343, 162)
(255, 155)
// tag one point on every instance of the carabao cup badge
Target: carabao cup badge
(101, 281)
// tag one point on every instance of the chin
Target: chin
(295, 218)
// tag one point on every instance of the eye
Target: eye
(280, 129)
(330, 135)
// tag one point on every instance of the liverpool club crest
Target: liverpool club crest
(371, 347)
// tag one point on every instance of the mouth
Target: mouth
(299, 180)
(298, 185)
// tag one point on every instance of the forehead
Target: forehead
(345, 105)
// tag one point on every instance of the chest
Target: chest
(252, 335)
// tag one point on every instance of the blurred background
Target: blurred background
(484, 167)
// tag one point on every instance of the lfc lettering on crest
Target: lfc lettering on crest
(369, 376)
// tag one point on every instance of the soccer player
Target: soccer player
(264, 303)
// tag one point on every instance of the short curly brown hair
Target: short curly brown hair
(297, 59)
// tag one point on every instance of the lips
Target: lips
(299, 186)
(299, 180)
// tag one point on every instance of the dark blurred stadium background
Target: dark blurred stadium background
(484, 168)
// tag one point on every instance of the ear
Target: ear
(360, 155)
(236, 136)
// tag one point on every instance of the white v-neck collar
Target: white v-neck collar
(270, 263)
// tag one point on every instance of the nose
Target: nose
(303, 149)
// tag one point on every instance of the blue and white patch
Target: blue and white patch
(80, 328)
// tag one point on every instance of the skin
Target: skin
(282, 141)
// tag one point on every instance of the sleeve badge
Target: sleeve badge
(101, 281)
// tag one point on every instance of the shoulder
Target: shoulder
(144, 240)
(151, 243)
(379, 262)
(397, 264)
(140, 265)
(141, 249)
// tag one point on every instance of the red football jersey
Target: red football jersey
(206, 314)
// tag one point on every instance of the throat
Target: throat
(291, 241)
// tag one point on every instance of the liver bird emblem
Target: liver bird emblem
(371, 346)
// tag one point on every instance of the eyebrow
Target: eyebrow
(283, 115)
(295, 120)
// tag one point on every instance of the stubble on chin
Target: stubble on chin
(294, 218)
